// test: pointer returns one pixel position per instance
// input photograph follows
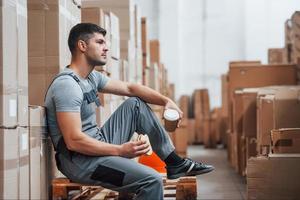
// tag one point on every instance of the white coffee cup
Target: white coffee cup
(171, 117)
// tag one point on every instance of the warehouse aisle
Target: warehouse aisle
(223, 182)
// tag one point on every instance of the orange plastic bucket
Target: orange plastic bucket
(154, 162)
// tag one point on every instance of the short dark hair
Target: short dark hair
(83, 31)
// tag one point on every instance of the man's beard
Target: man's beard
(94, 62)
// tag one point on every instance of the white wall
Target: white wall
(264, 25)
(199, 37)
(169, 30)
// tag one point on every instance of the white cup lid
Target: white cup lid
(171, 115)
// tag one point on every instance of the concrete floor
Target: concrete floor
(223, 182)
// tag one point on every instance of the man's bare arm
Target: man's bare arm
(147, 94)
(70, 126)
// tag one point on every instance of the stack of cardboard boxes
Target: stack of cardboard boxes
(49, 24)
(36, 32)
(42, 168)
(263, 121)
(14, 156)
(129, 35)
(242, 105)
(201, 108)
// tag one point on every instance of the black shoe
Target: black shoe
(188, 168)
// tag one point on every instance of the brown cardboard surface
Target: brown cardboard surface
(246, 76)
(259, 76)
(125, 12)
(237, 127)
(191, 131)
(264, 121)
(154, 51)
(181, 139)
(249, 113)
(286, 140)
(229, 146)
(93, 15)
(184, 106)
(224, 81)
(273, 178)
(251, 144)
(49, 24)
(277, 56)
(287, 108)
(238, 63)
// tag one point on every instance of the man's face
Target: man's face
(96, 50)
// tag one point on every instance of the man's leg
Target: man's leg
(134, 115)
(119, 174)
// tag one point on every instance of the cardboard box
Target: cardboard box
(277, 56)
(237, 127)
(13, 62)
(125, 11)
(191, 131)
(49, 24)
(283, 107)
(273, 178)
(181, 139)
(9, 159)
(242, 159)
(201, 107)
(93, 15)
(285, 140)
(154, 51)
(249, 76)
(40, 155)
(23, 163)
(224, 82)
(145, 43)
(14, 163)
(229, 146)
(184, 106)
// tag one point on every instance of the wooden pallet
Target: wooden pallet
(184, 188)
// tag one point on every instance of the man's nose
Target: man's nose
(105, 48)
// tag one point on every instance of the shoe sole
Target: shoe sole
(176, 176)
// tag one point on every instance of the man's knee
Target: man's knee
(133, 101)
(156, 179)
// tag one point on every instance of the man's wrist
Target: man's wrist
(166, 100)
(118, 150)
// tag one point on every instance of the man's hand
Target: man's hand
(172, 105)
(134, 149)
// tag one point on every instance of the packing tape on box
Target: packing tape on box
(23, 90)
(6, 89)
(36, 135)
(14, 163)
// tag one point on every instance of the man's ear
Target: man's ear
(82, 46)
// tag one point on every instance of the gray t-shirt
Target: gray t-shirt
(65, 95)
